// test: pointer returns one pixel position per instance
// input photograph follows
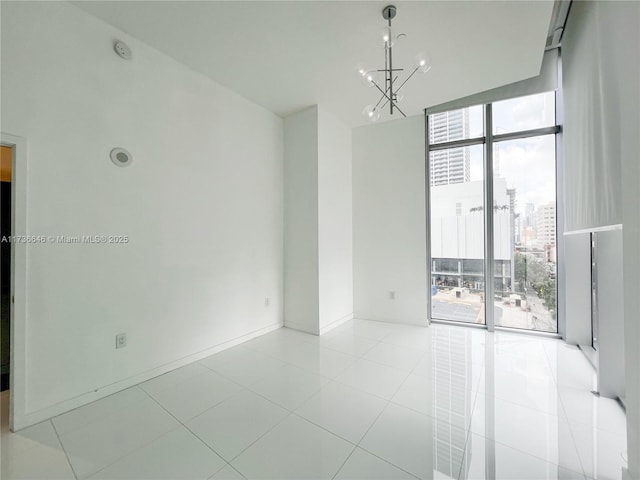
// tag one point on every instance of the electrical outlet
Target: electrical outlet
(267, 301)
(392, 295)
(121, 340)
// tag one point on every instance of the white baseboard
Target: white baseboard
(418, 323)
(31, 418)
(336, 323)
(299, 327)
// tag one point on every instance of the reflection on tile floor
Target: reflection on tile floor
(368, 400)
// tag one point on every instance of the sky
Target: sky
(527, 164)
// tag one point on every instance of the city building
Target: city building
(546, 224)
(450, 166)
(457, 225)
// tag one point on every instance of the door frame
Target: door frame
(18, 281)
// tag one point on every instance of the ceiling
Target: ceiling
(289, 55)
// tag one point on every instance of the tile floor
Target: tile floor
(368, 400)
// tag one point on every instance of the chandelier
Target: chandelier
(390, 94)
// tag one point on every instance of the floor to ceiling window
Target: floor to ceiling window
(504, 155)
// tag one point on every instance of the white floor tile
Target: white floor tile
(362, 328)
(603, 454)
(233, 425)
(295, 449)
(196, 394)
(228, 473)
(175, 455)
(371, 329)
(299, 335)
(530, 350)
(521, 365)
(247, 368)
(569, 366)
(373, 378)
(402, 358)
(485, 458)
(42, 434)
(101, 443)
(343, 410)
(238, 352)
(452, 401)
(289, 386)
(440, 403)
(39, 462)
(349, 344)
(408, 440)
(274, 343)
(323, 361)
(410, 336)
(362, 465)
(530, 392)
(173, 378)
(97, 410)
(592, 411)
(533, 432)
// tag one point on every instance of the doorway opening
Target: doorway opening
(6, 163)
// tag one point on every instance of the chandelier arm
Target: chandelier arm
(384, 94)
(386, 69)
(390, 75)
(394, 103)
(398, 108)
(378, 104)
(406, 80)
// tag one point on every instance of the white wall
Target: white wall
(335, 221)
(301, 298)
(610, 305)
(577, 262)
(389, 221)
(628, 35)
(201, 203)
(318, 222)
(601, 67)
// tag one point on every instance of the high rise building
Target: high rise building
(546, 224)
(451, 165)
(529, 215)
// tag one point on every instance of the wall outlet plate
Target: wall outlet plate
(121, 340)
(267, 301)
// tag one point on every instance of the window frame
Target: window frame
(488, 140)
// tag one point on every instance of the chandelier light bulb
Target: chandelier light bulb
(387, 37)
(371, 113)
(423, 62)
(368, 77)
(361, 69)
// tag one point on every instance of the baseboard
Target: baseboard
(28, 419)
(336, 323)
(299, 327)
(418, 323)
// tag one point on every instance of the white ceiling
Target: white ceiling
(288, 55)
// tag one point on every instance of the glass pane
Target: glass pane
(457, 234)
(456, 125)
(524, 113)
(524, 216)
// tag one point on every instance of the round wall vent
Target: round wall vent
(123, 50)
(121, 157)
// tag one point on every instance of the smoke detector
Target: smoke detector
(121, 157)
(123, 50)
